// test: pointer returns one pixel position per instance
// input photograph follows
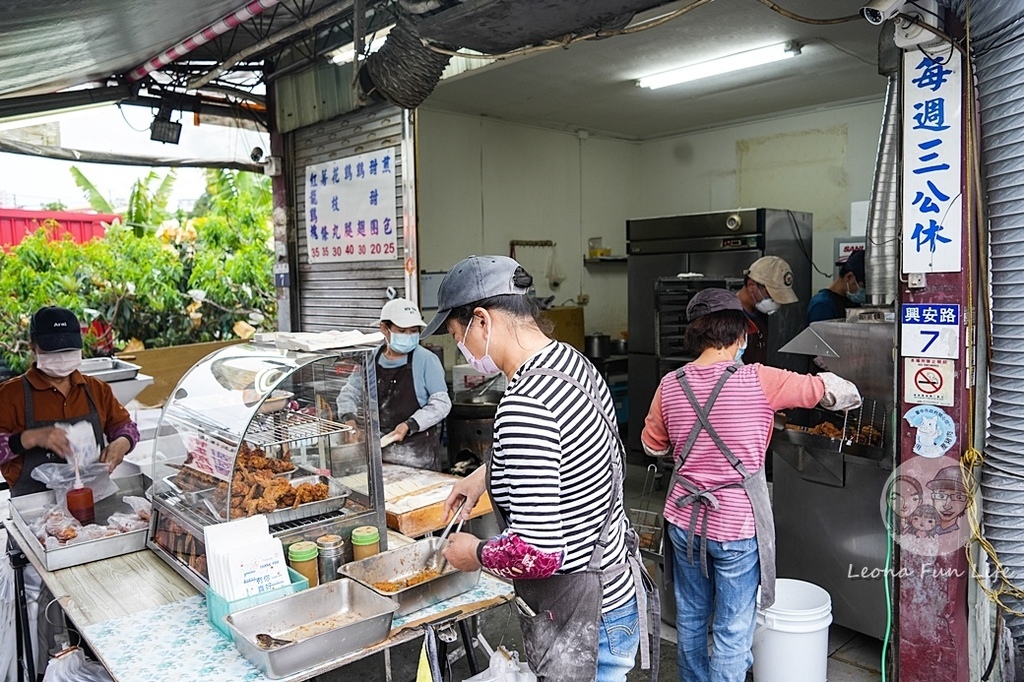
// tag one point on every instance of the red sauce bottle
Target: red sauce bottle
(80, 505)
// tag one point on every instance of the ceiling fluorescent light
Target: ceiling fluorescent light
(716, 67)
(346, 53)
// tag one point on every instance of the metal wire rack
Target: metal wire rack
(283, 426)
(646, 521)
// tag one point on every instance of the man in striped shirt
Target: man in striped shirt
(715, 417)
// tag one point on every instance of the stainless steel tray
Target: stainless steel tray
(403, 563)
(109, 369)
(27, 508)
(325, 623)
(208, 500)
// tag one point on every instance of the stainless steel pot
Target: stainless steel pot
(620, 347)
(598, 346)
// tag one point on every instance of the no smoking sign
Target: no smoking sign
(929, 381)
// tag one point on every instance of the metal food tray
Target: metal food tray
(360, 616)
(27, 508)
(336, 491)
(109, 369)
(407, 561)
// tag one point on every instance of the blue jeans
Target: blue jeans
(725, 600)
(618, 643)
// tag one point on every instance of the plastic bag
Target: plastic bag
(60, 478)
(142, 507)
(71, 665)
(126, 523)
(84, 447)
(8, 599)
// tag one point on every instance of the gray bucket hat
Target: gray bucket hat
(474, 279)
(707, 301)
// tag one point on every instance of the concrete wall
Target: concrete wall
(817, 162)
(483, 182)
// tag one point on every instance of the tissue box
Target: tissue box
(218, 608)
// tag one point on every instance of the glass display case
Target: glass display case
(260, 436)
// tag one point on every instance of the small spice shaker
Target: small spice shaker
(332, 551)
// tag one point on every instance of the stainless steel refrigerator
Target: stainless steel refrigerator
(719, 246)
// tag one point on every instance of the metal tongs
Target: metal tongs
(437, 558)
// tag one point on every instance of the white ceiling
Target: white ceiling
(591, 85)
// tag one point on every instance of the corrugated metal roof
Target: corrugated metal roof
(48, 45)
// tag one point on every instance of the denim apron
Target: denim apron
(26, 485)
(755, 485)
(396, 391)
(562, 639)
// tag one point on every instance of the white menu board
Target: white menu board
(351, 214)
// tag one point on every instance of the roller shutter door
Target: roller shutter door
(349, 295)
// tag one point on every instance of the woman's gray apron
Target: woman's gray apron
(26, 485)
(562, 639)
(396, 392)
(755, 485)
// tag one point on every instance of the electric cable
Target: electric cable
(803, 245)
(138, 130)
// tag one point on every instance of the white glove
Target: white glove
(840, 394)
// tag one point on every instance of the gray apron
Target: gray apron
(562, 640)
(755, 485)
(396, 393)
(26, 485)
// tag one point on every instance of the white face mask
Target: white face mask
(59, 364)
(766, 305)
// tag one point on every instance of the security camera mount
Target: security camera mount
(910, 33)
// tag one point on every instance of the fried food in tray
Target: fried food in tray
(866, 435)
(257, 486)
(261, 492)
(423, 576)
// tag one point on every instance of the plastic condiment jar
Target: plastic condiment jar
(331, 548)
(303, 558)
(365, 542)
(80, 505)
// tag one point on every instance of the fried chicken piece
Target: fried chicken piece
(310, 492)
(827, 429)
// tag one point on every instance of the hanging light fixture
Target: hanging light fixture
(721, 65)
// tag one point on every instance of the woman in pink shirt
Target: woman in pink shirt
(715, 417)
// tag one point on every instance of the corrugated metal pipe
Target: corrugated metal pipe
(882, 243)
(999, 71)
(403, 71)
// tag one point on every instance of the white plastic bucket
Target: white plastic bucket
(791, 639)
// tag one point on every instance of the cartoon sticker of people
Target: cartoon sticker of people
(949, 495)
(904, 496)
(924, 520)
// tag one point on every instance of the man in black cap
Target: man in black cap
(53, 391)
(846, 291)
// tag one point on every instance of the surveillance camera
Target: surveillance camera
(256, 155)
(878, 11)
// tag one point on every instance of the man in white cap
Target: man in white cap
(412, 396)
(768, 286)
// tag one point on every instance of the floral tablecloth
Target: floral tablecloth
(176, 643)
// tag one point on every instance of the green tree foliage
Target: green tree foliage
(205, 280)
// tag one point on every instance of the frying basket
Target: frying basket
(646, 521)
